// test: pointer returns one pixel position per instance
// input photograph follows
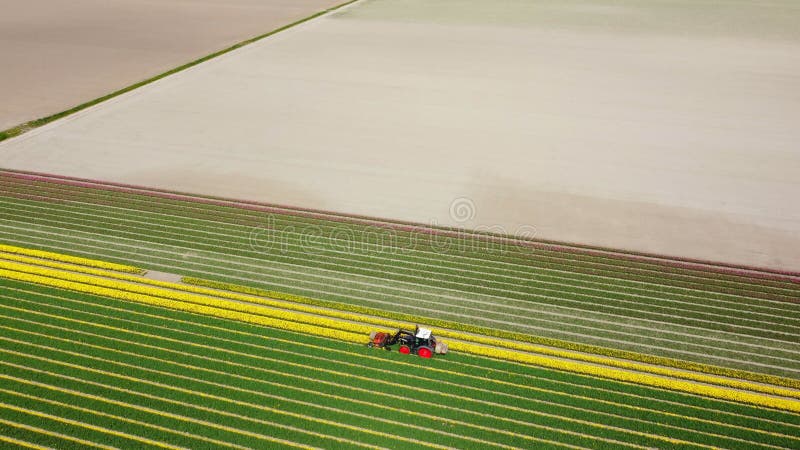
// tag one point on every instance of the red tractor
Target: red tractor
(421, 342)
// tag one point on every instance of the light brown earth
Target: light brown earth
(57, 54)
(659, 126)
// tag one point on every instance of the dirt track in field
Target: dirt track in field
(57, 54)
(636, 125)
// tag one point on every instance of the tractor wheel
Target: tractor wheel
(425, 352)
(404, 349)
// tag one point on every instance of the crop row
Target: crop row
(341, 250)
(108, 247)
(577, 297)
(62, 193)
(325, 326)
(14, 250)
(140, 354)
(519, 288)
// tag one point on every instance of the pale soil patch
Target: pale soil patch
(57, 54)
(645, 127)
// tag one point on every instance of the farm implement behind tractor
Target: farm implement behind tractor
(420, 342)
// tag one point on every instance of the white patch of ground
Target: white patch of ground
(163, 276)
(632, 124)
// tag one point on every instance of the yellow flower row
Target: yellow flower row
(202, 300)
(554, 347)
(69, 259)
(316, 324)
(543, 350)
(184, 306)
(633, 377)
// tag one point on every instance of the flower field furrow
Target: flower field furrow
(248, 397)
(292, 387)
(318, 321)
(343, 253)
(168, 267)
(617, 274)
(589, 424)
(96, 190)
(52, 438)
(309, 407)
(323, 326)
(19, 443)
(21, 384)
(138, 441)
(249, 356)
(261, 432)
(618, 300)
(668, 440)
(176, 325)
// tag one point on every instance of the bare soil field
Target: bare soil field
(630, 124)
(59, 54)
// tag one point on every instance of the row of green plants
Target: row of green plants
(401, 263)
(579, 269)
(611, 303)
(221, 212)
(603, 351)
